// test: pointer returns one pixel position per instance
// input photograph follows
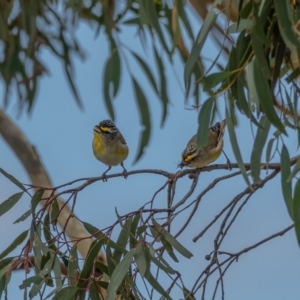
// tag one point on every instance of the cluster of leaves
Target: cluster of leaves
(260, 78)
(29, 27)
(47, 250)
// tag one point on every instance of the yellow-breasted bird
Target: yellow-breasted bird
(109, 146)
(193, 157)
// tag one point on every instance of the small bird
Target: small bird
(109, 146)
(193, 157)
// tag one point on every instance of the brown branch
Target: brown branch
(30, 160)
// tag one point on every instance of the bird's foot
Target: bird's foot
(229, 165)
(125, 174)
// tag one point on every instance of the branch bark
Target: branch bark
(30, 160)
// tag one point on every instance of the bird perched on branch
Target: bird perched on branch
(109, 146)
(194, 157)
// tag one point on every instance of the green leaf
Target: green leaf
(145, 118)
(163, 87)
(214, 79)
(99, 235)
(23, 217)
(118, 275)
(4, 281)
(185, 19)
(153, 19)
(176, 245)
(160, 261)
(102, 267)
(17, 241)
(46, 264)
(294, 171)
(36, 198)
(141, 230)
(169, 249)
(147, 71)
(286, 186)
(296, 210)
(259, 143)
(6, 264)
(111, 77)
(260, 56)
(154, 283)
(133, 229)
(57, 273)
(265, 97)
(13, 180)
(36, 288)
(283, 9)
(54, 212)
(66, 293)
(69, 72)
(73, 268)
(122, 240)
(94, 292)
(269, 150)
(142, 258)
(204, 119)
(208, 24)
(6, 205)
(235, 147)
(89, 262)
(29, 281)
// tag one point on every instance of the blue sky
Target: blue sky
(62, 135)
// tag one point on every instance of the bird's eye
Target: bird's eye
(104, 129)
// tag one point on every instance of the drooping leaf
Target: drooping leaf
(286, 185)
(31, 280)
(13, 180)
(294, 171)
(283, 9)
(122, 240)
(142, 258)
(144, 116)
(160, 261)
(259, 143)
(57, 273)
(99, 235)
(260, 56)
(94, 292)
(163, 87)
(89, 262)
(265, 97)
(73, 268)
(204, 119)
(35, 200)
(118, 275)
(111, 78)
(296, 210)
(198, 44)
(23, 217)
(235, 147)
(133, 229)
(147, 71)
(155, 284)
(36, 288)
(6, 205)
(269, 150)
(17, 241)
(66, 293)
(54, 212)
(176, 245)
(214, 79)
